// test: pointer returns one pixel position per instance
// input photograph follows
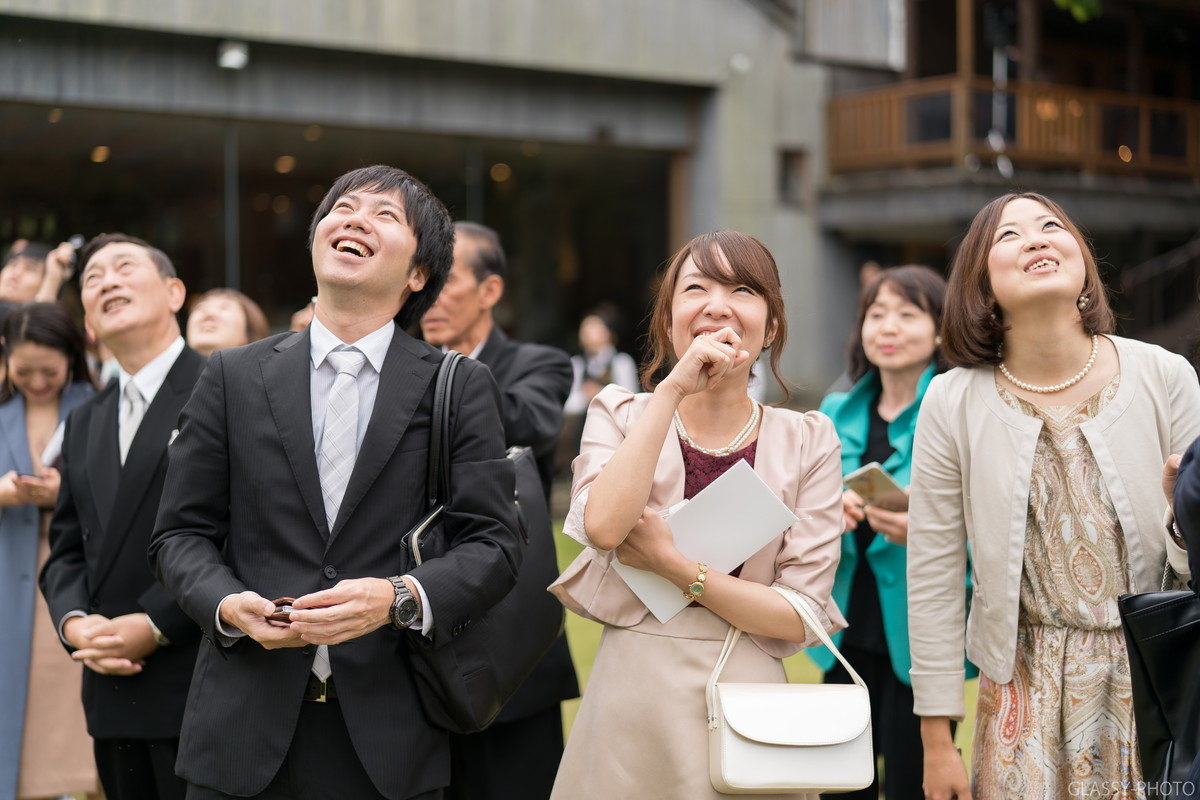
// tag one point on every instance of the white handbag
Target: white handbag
(771, 738)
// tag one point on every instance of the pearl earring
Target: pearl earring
(1082, 302)
(937, 340)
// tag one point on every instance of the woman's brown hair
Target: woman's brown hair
(918, 285)
(257, 326)
(973, 325)
(750, 264)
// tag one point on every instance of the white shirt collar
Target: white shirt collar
(474, 354)
(149, 379)
(374, 345)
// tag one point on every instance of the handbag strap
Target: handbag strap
(437, 469)
(731, 640)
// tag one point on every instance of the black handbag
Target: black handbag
(1162, 636)
(464, 683)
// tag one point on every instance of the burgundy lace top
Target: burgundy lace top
(700, 469)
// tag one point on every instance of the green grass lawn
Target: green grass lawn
(583, 635)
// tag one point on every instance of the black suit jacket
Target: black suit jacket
(98, 539)
(1187, 507)
(534, 382)
(242, 509)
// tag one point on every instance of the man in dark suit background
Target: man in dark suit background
(299, 467)
(518, 755)
(1181, 484)
(137, 645)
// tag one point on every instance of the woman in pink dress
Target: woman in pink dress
(641, 730)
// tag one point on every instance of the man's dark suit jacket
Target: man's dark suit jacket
(98, 539)
(1187, 507)
(534, 382)
(242, 509)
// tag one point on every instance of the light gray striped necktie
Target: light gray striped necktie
(339, 449)
(133, 408)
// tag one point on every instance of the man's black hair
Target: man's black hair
(163, 264)
(426, 216)
(489, 254)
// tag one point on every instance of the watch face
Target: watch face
(406, 611)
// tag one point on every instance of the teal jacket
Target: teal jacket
(851, 414)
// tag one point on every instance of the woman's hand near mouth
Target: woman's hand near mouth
(707, 361)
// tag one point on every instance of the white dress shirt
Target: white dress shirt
(375, 347)
(149, 379)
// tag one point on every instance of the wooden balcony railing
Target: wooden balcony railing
(913, 124)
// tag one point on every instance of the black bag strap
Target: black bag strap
(437, 472)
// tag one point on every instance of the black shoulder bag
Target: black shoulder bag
(464, 683)
(1162, 635)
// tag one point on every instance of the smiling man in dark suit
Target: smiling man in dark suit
(517, 757)
(299, 467)
(137, 645)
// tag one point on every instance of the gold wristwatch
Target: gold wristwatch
(696, 587)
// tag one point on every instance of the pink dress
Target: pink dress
(641, 730)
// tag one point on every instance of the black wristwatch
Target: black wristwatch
(404, 610)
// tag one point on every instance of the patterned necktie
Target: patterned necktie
(339, 441)
(339, 448)
(133, 408)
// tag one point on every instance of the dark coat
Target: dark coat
(1187, 507)
(97, 563)
(242, 509)
(534, 381)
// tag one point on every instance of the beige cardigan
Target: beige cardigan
(972, 467)
(798, 457)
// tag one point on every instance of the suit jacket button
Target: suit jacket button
(330, 572)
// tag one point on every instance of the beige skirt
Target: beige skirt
(641, 732)
(56, 751)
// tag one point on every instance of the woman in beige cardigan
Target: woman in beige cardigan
(1041, 457)
(641, 730)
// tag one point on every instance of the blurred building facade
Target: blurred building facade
(989, 96)
(598, 135)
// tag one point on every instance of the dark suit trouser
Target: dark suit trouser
(895, 729)
(509, 761)
(320, 764)
(138, 769)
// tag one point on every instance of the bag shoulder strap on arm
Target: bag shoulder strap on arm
(437, 476)
(437, 467)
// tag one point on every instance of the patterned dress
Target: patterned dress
(1063, 727)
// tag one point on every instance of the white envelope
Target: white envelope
(727, 522)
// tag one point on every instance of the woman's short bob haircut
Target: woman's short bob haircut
(918, 285)
(973, 325)
(750, 264)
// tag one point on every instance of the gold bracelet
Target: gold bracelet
(696, 587)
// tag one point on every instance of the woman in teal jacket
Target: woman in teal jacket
(893, 356)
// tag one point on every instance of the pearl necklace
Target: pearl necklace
(733, 446)
(1058, 387)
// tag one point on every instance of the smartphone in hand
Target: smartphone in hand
(877, 488)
